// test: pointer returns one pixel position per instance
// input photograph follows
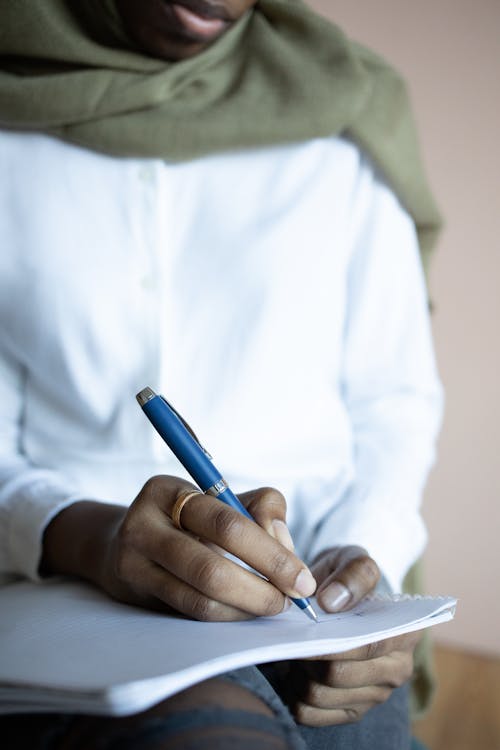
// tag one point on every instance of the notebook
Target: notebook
(65, 646)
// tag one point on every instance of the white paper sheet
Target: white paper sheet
(65, 646)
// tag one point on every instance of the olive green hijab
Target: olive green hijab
(281, 74)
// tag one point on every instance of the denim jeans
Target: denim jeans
(385, 727)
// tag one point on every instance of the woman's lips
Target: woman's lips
(198, 25)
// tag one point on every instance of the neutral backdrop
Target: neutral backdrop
(449, 52)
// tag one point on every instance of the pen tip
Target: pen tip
(311, 613)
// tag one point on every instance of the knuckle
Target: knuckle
(128, 538)
(373, 650)
(314, 694)
(227, 524)
(166, 594)
(152, 485)
(146, 490)
(408, 671)
(353, 714)
(268, 502)
(302, 713)
(383, 693)
(366, 569)
(122, 565)
(204, 609)
(405, 671)
(272, 603)
(209, 576)
(394, 681)
(411, 645)
(281, 565)
(335, 673)
(274, 497)
(160, 490)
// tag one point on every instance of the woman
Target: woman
(203, 204)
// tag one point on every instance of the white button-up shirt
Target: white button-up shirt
(274, 296)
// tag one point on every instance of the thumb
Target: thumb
(268, 507)
(346, 575)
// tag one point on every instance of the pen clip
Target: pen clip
(186, 425)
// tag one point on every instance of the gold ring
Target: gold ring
(179, 505)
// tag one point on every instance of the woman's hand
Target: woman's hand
(137, 555)
(344, 575)
(341, 688)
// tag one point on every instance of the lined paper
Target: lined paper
(65, 646)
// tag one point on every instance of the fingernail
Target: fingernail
(282, 534)
(287, 604)
(335, 596)
(305, 585)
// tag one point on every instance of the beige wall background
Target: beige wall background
(449, 52)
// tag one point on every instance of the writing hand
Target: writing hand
(138, 556)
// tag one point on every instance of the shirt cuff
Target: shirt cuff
(36, 500)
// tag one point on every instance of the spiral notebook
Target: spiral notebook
(65, 646)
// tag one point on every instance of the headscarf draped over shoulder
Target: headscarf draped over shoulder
(281, 74)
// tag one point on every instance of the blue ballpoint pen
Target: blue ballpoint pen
(198, 463)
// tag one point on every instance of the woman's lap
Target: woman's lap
(385, 727)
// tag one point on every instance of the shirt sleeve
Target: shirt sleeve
(30, 496)
(391, 390)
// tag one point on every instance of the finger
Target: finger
(266, 504)
(214, 576)
(391, 670)
(268, 507)
(321, 696)
(214, 521)
(347, 576)
(159, 588)
(189, 601)
(320, 717)
(405, 642)
(155, 504)
(162, 491)
(316, 705)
